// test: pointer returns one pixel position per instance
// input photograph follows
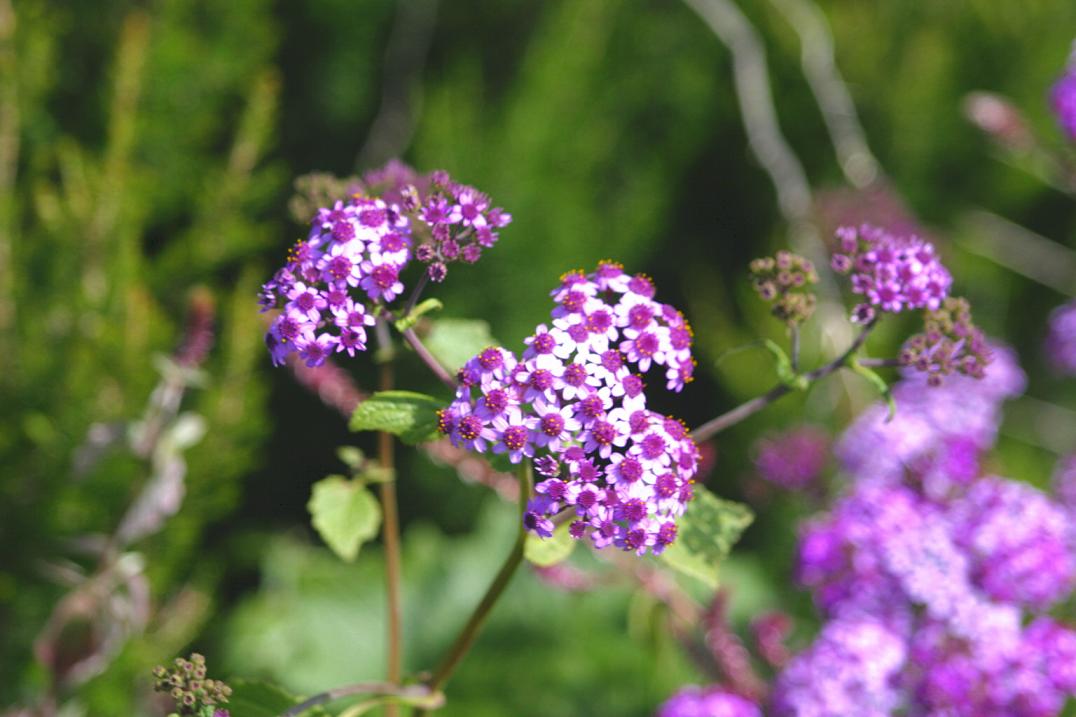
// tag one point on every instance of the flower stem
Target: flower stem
(391, 541)
(726, 420)
(429, 359)
(478, 618)
(419, 287)
(424, 354)
(794, 340)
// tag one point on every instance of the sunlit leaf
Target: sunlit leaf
(549, 551)
(707, 531)
(455, 341)
(345, 514)
(411, 416)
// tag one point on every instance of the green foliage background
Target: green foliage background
(147, 149)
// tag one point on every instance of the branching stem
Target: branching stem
(726, 420)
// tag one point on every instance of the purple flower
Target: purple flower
(1061, 339)
(1018, 540)
(693, 701)
(575, 406)
(1063, 101)
(851, 669)
(892, 273)
(794, 459)
(937, 433)
(355, 252)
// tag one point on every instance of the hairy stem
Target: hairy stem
(424, 354)
(478, 618)
(726, 420)
(420, 286)
(429, 359)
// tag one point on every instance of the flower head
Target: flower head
(574, 402)
(355, 253)
(892, 273)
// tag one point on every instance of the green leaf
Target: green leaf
(411, 416)
(549, 551)
(783, 365)
(707, 531)
(411, 319)
(253, 698)
(878, 382)
(455, 341)
(345, 515)
(350, 456)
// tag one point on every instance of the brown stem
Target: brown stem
(424, 354)
(429, 359)
(391, 538)
(794, 340)
(726, 420)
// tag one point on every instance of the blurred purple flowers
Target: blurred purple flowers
(695, 701)
(1063, 101)
(572, 404)
(355, 251)
(926, 570)
(1061, 339)
(794, 459)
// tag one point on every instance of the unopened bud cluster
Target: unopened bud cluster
(784, 280)
(950, 342)
(185, 681)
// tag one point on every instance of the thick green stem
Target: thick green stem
(478, 618)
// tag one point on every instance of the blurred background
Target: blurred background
(148, 158)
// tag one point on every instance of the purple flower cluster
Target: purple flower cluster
(950, 343)
(849, 670)
(946, 562)
(1061, 339)
(1064, 482)
(938, 433)
(695, 701)
(353, 256)
(892, 273)
(1018, 542)
(572, 403)
(794, 459)
(1063, 101)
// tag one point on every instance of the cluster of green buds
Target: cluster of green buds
(186, 682)
(784, 280)
(950, 342)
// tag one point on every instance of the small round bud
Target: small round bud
(471, 253)
(450, 249)
(437, 272)
(425, 253)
